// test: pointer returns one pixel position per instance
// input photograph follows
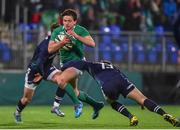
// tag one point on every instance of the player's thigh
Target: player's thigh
(66, 76)
(136, 95)
(51, 73)
(28, 93)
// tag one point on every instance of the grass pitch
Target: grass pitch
(39, 117)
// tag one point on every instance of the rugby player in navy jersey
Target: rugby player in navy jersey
(40, 67)
(113, 83)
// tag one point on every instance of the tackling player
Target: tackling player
(41, 64)
(114, 83)
(74, 50)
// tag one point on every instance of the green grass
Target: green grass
(39, 117)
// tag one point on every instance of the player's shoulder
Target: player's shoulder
(80, 27)
(56, 32)
(58, 29)
(81, 30)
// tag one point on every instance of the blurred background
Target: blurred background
(136, 35)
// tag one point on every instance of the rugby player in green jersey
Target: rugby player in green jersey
(71, 51)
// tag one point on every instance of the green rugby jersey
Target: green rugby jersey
(73, 50)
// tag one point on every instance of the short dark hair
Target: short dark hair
(70, 12)
(54, 26)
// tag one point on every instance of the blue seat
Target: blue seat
(152, 56)
(124, 50)
(33, 26)
(124, 47)
(159, 30)
(105, 51)
(174, 57)
(106, 39)
(138, 52)
(5, 55)
(117, 52)
(27, 27)
(172, 52)
(115, 30)
(158, 47)
(154, 53)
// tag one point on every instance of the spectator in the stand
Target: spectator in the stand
(158, 16)
(91, 20)
(84, 6)
(95, 14)
(176, 29)
(131, 9)
(169, 7)
(178, 4)
(147, 22)
(71, 4)
(88, 14)
(113, 6)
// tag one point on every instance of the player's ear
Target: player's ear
(75, 22)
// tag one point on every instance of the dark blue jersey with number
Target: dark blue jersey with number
(41, 57)
(112, 80)
(100, 71)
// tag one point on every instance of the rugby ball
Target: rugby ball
(67, 46)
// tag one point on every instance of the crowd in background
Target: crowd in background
(144, 15)
(136, 15)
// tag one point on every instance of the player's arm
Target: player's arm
(54, 46)
(87, 40)
(38, 65)
(37, 78)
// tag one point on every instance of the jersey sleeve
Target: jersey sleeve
(40, 62)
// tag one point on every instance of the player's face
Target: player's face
(68, 22)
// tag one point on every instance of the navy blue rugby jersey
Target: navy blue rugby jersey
(41, 57)
(101, 71)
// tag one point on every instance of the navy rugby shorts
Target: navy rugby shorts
(119, 84)
(49, 71)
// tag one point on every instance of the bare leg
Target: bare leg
(136, 95)
(27, 96)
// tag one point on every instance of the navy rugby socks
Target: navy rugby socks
(59, 96)
(122, 109)
(20, 107)
(152, 106)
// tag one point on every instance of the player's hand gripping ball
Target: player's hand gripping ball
(68, 46)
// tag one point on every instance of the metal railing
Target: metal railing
(132, 51)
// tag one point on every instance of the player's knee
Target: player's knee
(55, 77)
(61, 82)
(26, 100)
